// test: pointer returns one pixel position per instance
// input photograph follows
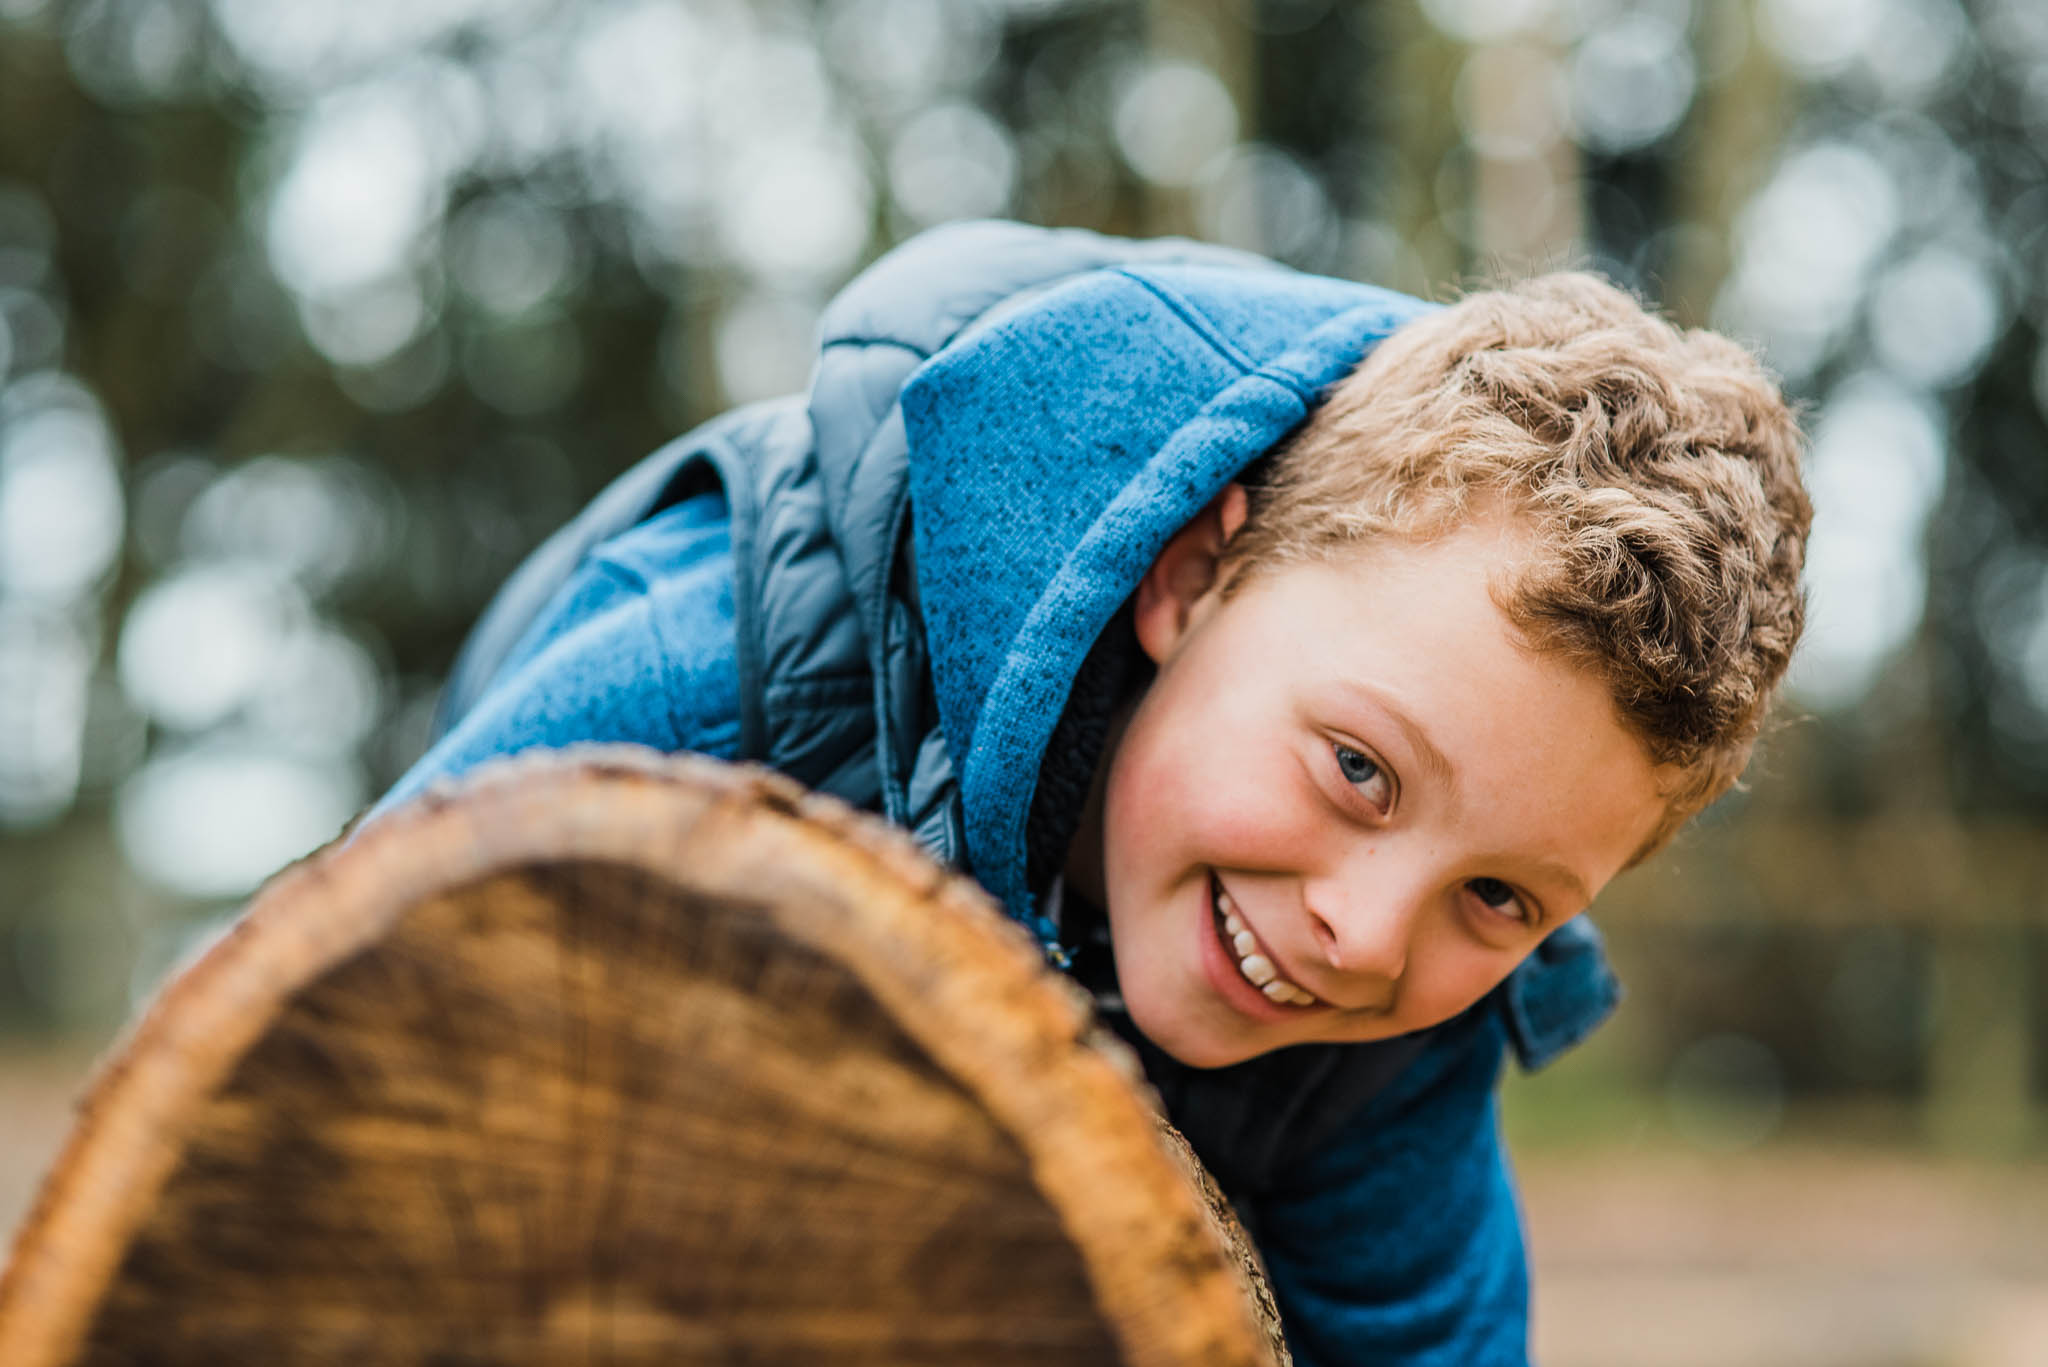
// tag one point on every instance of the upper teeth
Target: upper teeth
(1258, 970)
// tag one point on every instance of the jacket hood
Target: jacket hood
(1054, 450)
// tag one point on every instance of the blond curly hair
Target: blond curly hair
(1656, 470)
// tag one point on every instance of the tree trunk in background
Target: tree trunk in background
(611, 1058)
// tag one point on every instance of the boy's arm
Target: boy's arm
(1400, 1241)
(638, 646)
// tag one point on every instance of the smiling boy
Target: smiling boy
(1378, 851)
(1296, 660)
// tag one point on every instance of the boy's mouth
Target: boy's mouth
(1245, 951)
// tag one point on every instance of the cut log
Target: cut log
(604, 1057)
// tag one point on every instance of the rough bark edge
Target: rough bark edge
(1022, 1040)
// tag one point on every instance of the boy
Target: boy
(1295, 659)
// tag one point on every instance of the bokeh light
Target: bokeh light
(45, 663)
(952, 161)
(1172, 119)
(214, 821)
(196, 645)
(1875, 469)
(60, 495)
(1631, 82)
(1804, 250)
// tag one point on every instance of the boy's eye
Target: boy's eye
(1357, 768)
(1363, 772)
(1499, 896)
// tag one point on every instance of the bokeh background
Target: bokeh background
(314, 316)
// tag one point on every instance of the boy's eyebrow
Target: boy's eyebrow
(1411, 730)
(1440, 769)
(1572, 882)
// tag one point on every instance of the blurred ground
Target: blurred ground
(1788, 1258)
(1792, 1256)
(37, 1088)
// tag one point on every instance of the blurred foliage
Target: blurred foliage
(314, 317)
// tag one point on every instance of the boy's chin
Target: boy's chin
(1192, 1042)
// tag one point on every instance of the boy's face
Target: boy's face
(1352, 779)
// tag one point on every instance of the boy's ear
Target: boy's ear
(1171, 596)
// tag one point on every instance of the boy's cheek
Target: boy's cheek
(1221, 824)
(1453, 979)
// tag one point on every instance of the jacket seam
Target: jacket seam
(860, 340)
(742, 504)
(1200, 325)
(825, 688)
(895, 785)
(627, 576)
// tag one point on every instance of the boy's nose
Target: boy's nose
(1362, 931)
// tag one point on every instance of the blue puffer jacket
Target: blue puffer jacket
(886, 588)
